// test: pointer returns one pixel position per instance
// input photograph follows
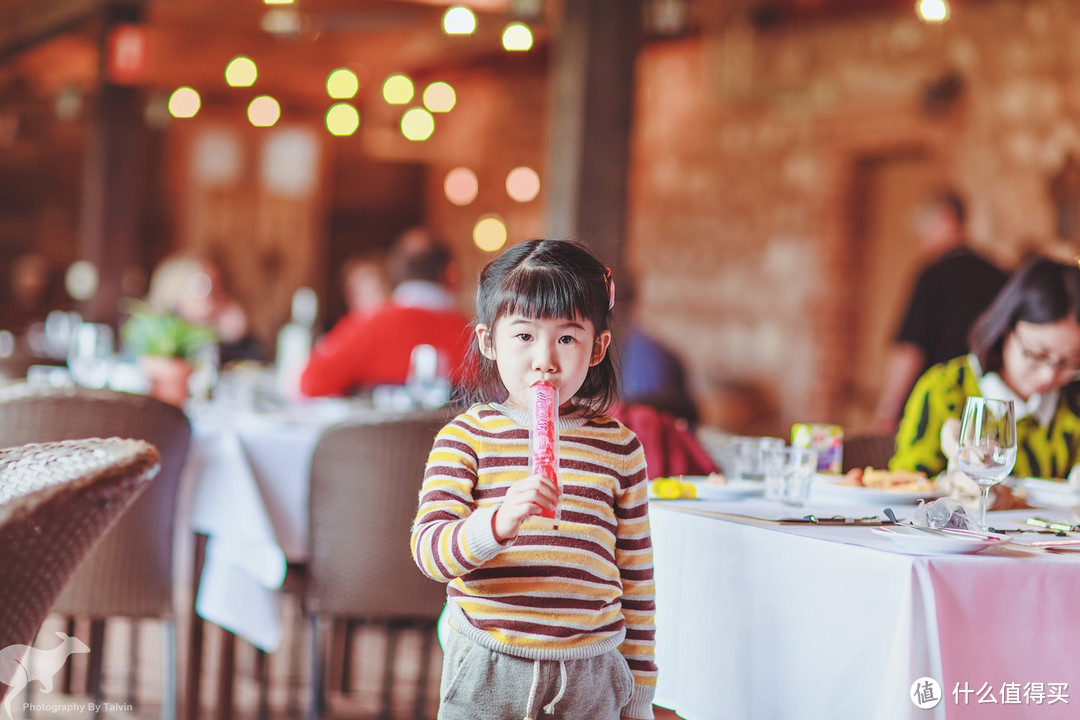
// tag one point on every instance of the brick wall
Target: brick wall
(745, 189)
(745, 160)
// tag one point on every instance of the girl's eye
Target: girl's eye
(524, 337)
(567, 339)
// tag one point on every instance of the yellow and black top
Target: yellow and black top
(1047, 451)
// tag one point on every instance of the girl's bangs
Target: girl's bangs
(545, 293)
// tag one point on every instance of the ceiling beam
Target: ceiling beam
(27, 23)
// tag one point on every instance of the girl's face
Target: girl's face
(1037, 358)
(526, 350)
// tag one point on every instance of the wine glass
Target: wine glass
(987, 447)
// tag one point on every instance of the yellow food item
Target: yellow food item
(671, 488)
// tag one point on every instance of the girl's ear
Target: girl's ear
(600, 346)
(484, 341)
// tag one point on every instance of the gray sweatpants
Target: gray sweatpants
(480, 684)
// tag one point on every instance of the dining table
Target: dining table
(764, 613)
(249, 469)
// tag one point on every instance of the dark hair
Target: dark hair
(953, 202)
(418, 256)
(546, 279)
(1041, 291)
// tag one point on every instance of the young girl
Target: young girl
(558, 620)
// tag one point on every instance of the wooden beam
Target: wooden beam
(592, 89)
(113, 182)
(27, 23)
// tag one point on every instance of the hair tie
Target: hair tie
(610, 281)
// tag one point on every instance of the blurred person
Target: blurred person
(951, 290)
(192, 287)
(374, 348)
(364, 283)
(1024, 348)
(649, 372)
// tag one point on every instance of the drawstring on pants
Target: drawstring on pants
(550, 707)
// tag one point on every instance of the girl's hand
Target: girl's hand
(523, 499)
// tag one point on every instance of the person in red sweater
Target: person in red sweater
(373, 348)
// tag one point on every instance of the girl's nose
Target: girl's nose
(545, 358)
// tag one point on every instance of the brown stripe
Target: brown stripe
(633, 543)
(564, 542)
(636, 575)
(437, 516)
(457, 472)
(547, 572)
(553, 631)
(431, 538)
(455, 548)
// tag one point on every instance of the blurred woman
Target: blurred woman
(1024, 348)
(192, 288)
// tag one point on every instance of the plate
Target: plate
(949, 542)
(829, 488)
(1051, 493)
(731, 490)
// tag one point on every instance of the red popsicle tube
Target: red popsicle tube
(544, 436)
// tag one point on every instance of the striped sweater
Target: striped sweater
(575, 592)
(1048, 451)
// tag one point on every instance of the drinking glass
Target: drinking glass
(788, 473)
(747, 455)
(90, 356)
(987, 447)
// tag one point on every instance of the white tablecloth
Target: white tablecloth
(784, 621)
(250, 476)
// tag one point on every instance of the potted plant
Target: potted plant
(164, 345)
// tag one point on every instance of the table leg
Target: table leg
(226, 674)
(195, 638)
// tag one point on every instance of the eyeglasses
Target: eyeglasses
(1058, 366)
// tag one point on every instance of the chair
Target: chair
(365, 482)
(56, 501)
(130, 573)
(870, 450)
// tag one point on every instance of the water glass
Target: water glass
(788, 474)
(90, 356)
(747, 454)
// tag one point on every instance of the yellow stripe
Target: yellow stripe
(446, 555)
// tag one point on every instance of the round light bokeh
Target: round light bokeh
(523, 184)
(342, 84)
(398, 89)
(933, 11)
(241, 72)
(81, 280)
(342, 119)
(489, 233)
(517, 37)
(461, 186)
(439, 97)
(417, 124)
(459, 20)
(263, 111)
(184, 103)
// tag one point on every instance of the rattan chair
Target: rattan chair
(365, 480)
(56, 501)
(872, 450)
(130, 573)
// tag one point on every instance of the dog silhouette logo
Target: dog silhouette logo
(21, 664)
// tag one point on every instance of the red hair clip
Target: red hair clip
(611, 287)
